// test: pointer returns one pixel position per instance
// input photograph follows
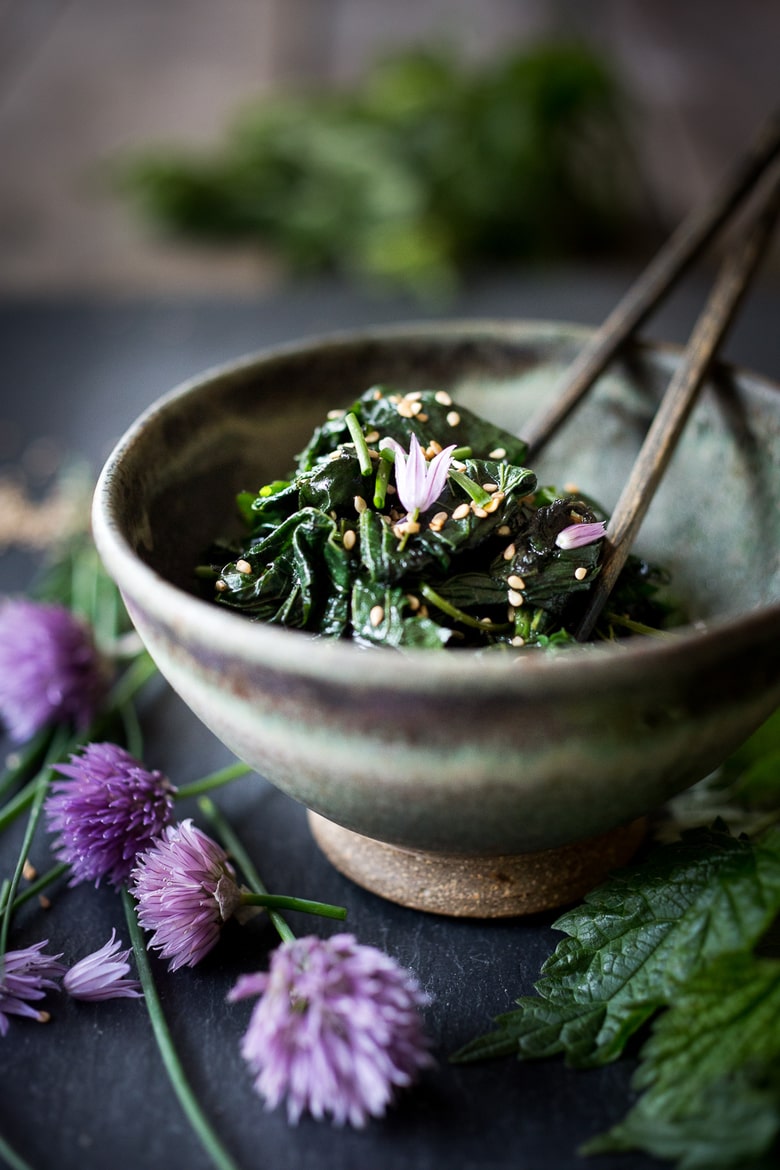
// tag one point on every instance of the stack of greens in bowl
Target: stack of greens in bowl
(411, 521)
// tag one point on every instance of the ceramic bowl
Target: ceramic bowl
(455, 783)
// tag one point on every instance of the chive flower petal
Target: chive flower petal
(101, 975)
(337, 1029)
(26, 977)
(577, 535)
(50, 669)
(185, 888)
(106, 810)
(418, 482)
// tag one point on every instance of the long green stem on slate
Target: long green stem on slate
(167, 1048)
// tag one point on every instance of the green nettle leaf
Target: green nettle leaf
(381, 615)
(635, 940)
(710, 1071)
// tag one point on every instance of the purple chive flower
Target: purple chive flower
(50, 670)
(337, 1030)
(576, 535)
(26, 976)
(106, 810)
(418, 482)
(186, 889)
(101, 975)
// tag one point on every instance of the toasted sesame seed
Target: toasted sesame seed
(391, 489)
(510, 613)
(461, 512)
(422, 416)
(443, 398)
(44, 902)
(29, 872)
(514, 598)
(453, 418)
(478, 511)
(44, 1017)
(518, 641)
(372, 436)
(509, 552)
(438, 521)
(415, 406)
(394, 398)
(243, 566)
(434, 447)
(349, 539)
(571, 488)
(377, 394)
(581, 573)
(498, 453)
(376, 616)
(414, 602)
(334, 455)
(413, 395)
(495, 503)
(335, 414)
(221, 586)
(458, 465)
(490, 487)
(360, 504)
(503, 530)
(515, 582)
(404, 408)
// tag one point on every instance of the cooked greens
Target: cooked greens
(410, 521)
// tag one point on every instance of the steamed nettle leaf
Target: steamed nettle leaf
(430, 415)
(469, 559)
(633, 942)
(381, 615)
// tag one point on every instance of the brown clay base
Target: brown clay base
(477, 887)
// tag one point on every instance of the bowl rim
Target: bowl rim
(267, 646)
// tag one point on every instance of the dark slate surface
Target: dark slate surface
(88, 1091)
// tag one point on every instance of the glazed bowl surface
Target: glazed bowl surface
(452, 752)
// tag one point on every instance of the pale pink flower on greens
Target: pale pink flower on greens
(105, 810)
(102, 975)
(577, 535)
(419, 483)
(25, 978)
(186, 889)
(50, 670)
(336, 1031)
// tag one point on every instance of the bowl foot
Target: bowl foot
(499, 886)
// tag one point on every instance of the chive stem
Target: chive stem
(167, 1049)
(361, 446)
(11, 1158)
(382, 480)
(459, 615)
(285, 902)
(475, 490)
(40, 883)
(19, 763)
(41, 787)
(17, 804)
(234, 847)
(214, 780)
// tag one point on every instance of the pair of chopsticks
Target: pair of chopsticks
(758, 175)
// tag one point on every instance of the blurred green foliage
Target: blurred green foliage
(421, 170)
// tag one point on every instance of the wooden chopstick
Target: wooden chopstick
(677, 254)
(728, 291)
